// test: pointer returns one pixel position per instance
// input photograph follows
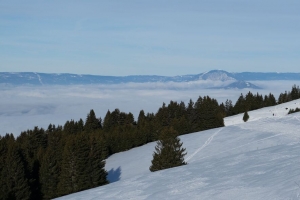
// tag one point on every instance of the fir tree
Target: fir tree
(229, 108)
(107, 122)
(92, 123)
(208, 114)
(246, 116)
(96, 163)
(14, 182)
(69, 177)
(32, 144)
(50, 165)
(168, 151)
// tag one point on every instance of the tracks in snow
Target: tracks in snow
(244, 145)
(207, 142)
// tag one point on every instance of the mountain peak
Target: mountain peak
(216, 75)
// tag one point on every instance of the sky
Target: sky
(165, 37)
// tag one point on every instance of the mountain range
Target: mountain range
(233, 80)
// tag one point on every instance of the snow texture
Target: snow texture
(259, 159)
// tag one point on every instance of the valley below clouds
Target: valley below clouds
(23, 107)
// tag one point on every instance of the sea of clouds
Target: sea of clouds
(24, 107)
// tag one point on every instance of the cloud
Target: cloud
(22, 108)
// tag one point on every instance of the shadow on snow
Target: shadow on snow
(114, 175)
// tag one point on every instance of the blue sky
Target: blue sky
(165, 37)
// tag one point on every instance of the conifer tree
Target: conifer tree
(168, 151)
(51, 165)
(208, 114)
(191, 115)
(92, 123)
(239, 106)
(80, 125)
(246, 116)
(32, 144)
(141, 118)
(69, 177)
(5, 143)
(74, 174)
(14, 182)
(272, 100)
(229, 108)
(162, 117)
(96, 163)
(107, 124)
(49, 175)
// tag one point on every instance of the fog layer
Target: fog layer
(22, 108)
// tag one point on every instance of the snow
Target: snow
(278, 111)
(259, 159)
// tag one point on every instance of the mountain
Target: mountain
(239, 85)
(31, 78)
(217, 75)
(258, 159)
(266, 76)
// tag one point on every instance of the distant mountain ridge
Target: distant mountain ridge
(238, 85)
(32, 78)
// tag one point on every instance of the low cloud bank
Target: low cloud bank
(22, 108)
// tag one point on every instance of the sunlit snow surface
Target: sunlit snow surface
(259, 159)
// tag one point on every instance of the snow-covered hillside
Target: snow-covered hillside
(259, 159)
(280, 110)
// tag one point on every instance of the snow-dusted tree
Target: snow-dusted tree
(246, 116)
(168, 151)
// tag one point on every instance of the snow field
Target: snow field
(259, 159)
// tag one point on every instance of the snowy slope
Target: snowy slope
(278, 111)
(259, 159)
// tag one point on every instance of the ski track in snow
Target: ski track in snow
(297, 118)
(207, 142)
(245, 145)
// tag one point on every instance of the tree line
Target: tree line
(48, 163)
(44, 164)
(291, 111)
(251, 101)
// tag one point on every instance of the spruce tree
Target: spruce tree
(74, 173)
(49, 175)
(32, 144)
(51, 165)
(168, 151)
(69, 176)
(14, 183)
(246, 116)
(92, 123)
(208, 114)
(107, 124)
(96, 163)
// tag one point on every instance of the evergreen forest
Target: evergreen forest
(63, 159)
